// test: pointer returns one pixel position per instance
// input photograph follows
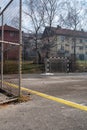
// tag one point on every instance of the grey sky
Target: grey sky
(3, 3)
(13, 10)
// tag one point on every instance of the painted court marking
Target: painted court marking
(59, 100)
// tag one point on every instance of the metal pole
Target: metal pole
(2, 51)
(85, 55)
(6, 7)
(20, 47)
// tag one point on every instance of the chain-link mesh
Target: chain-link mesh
(58, 65)
(10, 37)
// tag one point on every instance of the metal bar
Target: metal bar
(2, 50)
(20, 47)
(12, 43)
(6, 7)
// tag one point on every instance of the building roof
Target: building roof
(65, 32)
(31, 35)
(9, 28)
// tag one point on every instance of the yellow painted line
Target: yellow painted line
(59, 100)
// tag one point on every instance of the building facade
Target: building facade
(11, 34)
(29, 45)
(67, 42)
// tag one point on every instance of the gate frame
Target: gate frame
(48, 67)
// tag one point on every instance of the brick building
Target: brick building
(11, 34)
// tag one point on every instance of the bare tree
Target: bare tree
(73, 18)
(51, 8)
(73, 14)
(50, 11)
(42, 13)
(15, 21)
(35, 11)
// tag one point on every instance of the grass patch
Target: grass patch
(23, 98)
(82, 66)
(11, 67)
(32, 68)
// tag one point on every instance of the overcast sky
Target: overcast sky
(13, 12)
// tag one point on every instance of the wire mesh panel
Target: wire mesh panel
(58, 64)
(11, 70)
(10, 44)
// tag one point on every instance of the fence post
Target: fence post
(47, 65)
(20, 47)
(2, 51)
(67, 66)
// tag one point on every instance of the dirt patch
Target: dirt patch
(8, 98)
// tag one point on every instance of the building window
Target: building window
(81, 41)
(67, 38)
(81, 48)
(62, 38)
(12, 34)
(81, 56)
(73, 40)
(67, 45)
(62, 47)
(72, 47)
(66, 51)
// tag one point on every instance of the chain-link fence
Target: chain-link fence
(10, 45)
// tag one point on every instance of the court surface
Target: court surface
(41, 113)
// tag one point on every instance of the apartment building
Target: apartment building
(67, 42)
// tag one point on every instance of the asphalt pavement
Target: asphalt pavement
(41, 113)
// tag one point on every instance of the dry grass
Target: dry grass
(23, 98)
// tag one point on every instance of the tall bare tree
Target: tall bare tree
(51, 8)
(73, 18)
(42, 13)
(50, 11)
(73, 11)
(35, 11)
